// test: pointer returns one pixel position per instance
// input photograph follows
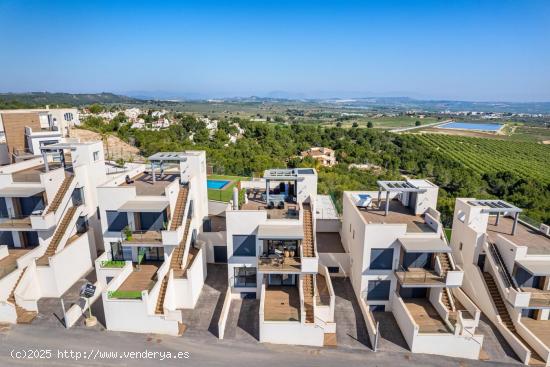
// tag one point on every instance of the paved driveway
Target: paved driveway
(351, 331)
(203, 319)
(243, 320)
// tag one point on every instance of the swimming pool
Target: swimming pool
(477, 126)
(216, 184)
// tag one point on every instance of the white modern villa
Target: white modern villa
(272, 255)
(507, 272)
(153, 264)
(48, 224)
(401, 262)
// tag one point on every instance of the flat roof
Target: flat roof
(144, 184)
(284, 174)
(325, 208)
(398, 214)
(20, 191)
(424, 244)
(149, 206)
(270, 231)
(536, 267)
(535, 241)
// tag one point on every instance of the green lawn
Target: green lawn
(448, 232)
(226, 193)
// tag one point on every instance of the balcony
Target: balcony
(420, 277)
(16, 221)
(539, 297)
(275, 263)
(150, 237)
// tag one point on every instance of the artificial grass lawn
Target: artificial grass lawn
(226, 193)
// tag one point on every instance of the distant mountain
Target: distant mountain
(40, 99)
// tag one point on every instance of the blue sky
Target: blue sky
(471, 50)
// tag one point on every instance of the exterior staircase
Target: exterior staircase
(23, 316)
(179, 210)
(60, 194)
(445, 299)
(535, 360)
(179, 252)
(308, 297)
(159, 309)
(307, 243)
(59, 232)
(445, 263)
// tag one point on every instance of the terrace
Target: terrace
(426, 316)
(9, 263)
(282, 303)
(396, 213)
(280, 255)
(418, 259)
(142, 278)
(32, 174)
(329, 242)
(147, 185)
(541, 328)
(279, 206)
(536, 242)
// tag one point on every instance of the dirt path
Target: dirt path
(114, 147)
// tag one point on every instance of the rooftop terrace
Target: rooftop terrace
(398, 214)
(144, 184)
(256, 201)
(32, 174)
(536, 242)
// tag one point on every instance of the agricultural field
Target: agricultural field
(491, 155)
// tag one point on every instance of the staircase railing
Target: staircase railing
(508, 280)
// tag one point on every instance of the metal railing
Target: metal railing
(509, 282)
(421, 276)
(279, 263)
(142, 236)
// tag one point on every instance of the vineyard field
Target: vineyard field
(529, 160)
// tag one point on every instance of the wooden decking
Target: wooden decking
(541, 328)
(286, 264)
(142, 278)
(9, 263)
(539, 298)
(282, 303)
(425, 315)
(419, 276)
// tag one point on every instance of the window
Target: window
(244, 245)
(460, 247)
(333, 269)
(381, 258)
(353, 237)
(379, 290)
(96, 156)
(116, 221)
(68, 116)
(377, 308)
(245, 277)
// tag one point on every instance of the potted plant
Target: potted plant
(127, 233)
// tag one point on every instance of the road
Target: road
(202, 349)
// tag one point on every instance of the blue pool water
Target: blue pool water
(216, 184)
(478, 126)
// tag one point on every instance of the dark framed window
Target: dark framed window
(379, 290)
(333, 269)
(245, 277)
(381, 258)
(244, 245)
(116, 221)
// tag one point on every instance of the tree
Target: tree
(95, 108)
(417, 123)
(370, 125)
(338, 124)
(355, 124)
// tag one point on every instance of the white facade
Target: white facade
(401, 262)
(272, 255)
(156, 222)
(49, 214)
(486, 245)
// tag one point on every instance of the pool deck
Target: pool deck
(225, 186)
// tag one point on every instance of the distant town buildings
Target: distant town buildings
(324, 155)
